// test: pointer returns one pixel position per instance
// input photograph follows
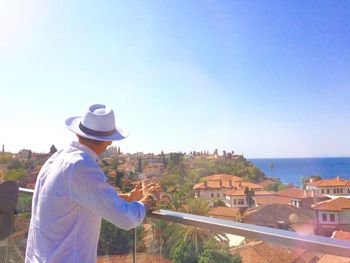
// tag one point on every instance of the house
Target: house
(279, 216)
(328, 258)
(332, 215)
(301, 197)
(334, 187)
(227, 213)
(152, 170)
(213, 187)
(212, 190)
(263, 252)
(237, 197)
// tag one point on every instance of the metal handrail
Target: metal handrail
(283, 237)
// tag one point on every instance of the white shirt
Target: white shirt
(71, 196)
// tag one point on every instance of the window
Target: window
(234, 202)
(324, 217)
(322, 191)
(341, 190)
(331, 217)
(334, 191)
(218, 195)
(241, 201)
(212, 194)
(327, 191)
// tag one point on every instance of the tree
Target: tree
(183, 253)
(275, 186)
(139, 165)
(53, 149)
(113, 240)
(306, 179)
(249, 196)
(216, 152)
(29, 155)
(271, 166)
(16, 174)
(215, 252)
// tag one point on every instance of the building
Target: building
(302, 197)
(153, 170)
(263, 252)
(227, 213)
(332, 215)
(333, 187)
(279, 216)
(237, 197)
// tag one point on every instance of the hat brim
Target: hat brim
(72, 124)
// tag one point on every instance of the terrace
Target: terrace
(12, 248)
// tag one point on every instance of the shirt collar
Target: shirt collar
(85, 149)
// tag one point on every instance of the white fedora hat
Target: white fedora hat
(98, 123)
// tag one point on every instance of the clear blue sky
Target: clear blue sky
(263, 78)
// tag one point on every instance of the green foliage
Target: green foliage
(275, 186)
(215, 252)
(306, 179)
(16, 174)
(113, 240)
(249, 196)
(24, 203)
(183, 253)
(15, 164)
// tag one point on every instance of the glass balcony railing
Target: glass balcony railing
(168, 236)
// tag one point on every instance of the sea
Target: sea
(290, 170)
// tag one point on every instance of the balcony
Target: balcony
(147, 242)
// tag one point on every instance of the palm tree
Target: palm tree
(271, 166)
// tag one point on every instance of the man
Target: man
(71, 195)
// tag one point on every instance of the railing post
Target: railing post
(135, 246)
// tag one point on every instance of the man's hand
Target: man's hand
(136, 194)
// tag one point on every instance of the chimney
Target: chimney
(239, 184)
(311, 180)
(230, 183)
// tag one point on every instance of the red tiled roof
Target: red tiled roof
(224, 177)
(140, 258)
(341, 235)
(262, 252)
(330, 182)
(240, 192)
(295, 193)
(224, 212)
(279, 212)
(336, 204)
(213, 184)
(250, 185)
(265, 183)
(272, 199)
(328, 258)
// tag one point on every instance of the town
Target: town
(224, 186)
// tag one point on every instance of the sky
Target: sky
(262, 78)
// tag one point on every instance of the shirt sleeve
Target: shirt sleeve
(88, 187)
